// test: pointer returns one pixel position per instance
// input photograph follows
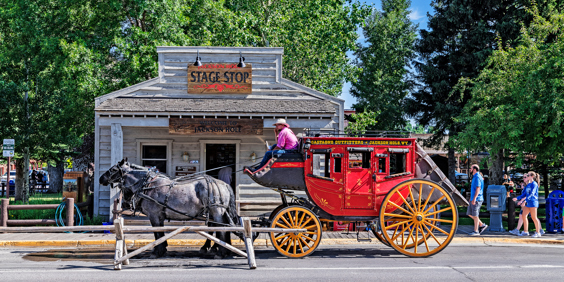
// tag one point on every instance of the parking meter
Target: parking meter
(496, 198)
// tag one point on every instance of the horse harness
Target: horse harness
(151, 177)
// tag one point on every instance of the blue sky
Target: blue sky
(418, 15)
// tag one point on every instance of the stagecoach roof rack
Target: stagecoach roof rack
(313, 132)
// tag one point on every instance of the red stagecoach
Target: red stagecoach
(387, 181)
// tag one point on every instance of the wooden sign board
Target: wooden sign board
(218, 126)
(220, 78)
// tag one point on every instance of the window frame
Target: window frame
(154, 142)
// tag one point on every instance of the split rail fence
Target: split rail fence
(121, 256)
(5, 221)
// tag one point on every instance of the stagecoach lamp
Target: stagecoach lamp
(253, 157)
(241, 61)
(198, 63)
(185, 156)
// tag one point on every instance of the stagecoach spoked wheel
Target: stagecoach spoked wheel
(300, 244)
(413, 218)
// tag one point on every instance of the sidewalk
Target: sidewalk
(193, 240)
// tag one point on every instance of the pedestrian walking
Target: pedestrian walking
(529, 202)
(476, 200)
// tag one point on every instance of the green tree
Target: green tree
(361, 122)
(517, 101)
(383, 80)
(44, 99)
(462, 35)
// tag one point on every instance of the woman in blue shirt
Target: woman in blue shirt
(529, 202)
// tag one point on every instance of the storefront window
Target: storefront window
(154, 155)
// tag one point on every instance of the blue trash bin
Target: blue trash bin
(554, 209)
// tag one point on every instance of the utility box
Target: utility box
(495, 203)
(555, 212)
(74, 186)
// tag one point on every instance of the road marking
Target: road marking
(219, 268)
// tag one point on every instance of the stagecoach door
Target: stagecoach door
(359, 194)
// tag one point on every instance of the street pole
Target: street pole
(8, 179)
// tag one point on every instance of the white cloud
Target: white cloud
(415, 15)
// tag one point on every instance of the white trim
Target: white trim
(96, 166)
(167, 142)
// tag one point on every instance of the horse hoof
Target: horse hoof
(217, 257)
(203, 251)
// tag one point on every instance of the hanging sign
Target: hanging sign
(220, 78)
(215, 126)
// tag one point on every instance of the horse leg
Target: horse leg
(160, 249)
(205, 248)
(218, 216)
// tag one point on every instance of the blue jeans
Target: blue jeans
(268, 155)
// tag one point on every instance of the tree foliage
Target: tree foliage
(383, 79)
(462, 35)
(62, 54)
(517, 101)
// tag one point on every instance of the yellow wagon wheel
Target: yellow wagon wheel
(412, 224)
(299, 244)
(377, 231)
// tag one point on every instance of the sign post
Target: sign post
(8, 151)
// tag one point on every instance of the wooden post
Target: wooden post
(8, 180)
(248, 236)
(115, 210)
(5, 203)
(70, 211)
(121, 248)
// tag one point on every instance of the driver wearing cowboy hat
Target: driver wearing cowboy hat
(286, 140)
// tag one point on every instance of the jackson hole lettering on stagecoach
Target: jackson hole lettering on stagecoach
(362, 142)
(220, 78)
(217, 126)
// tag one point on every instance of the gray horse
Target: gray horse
(161, 198)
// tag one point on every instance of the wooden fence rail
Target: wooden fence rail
(5, 221)
(121, 256)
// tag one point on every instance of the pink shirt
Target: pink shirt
(287, 140)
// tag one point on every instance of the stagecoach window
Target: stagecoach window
(381, 165)
(338, 164)
(359, 159)
(321, 164)
(154, 155)
(397, 163)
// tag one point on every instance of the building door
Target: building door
(218, 155)
(359, 194)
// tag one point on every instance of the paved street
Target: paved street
(458, 262)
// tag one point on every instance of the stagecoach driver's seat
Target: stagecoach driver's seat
(286, 140)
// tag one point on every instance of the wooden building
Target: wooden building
(195, 118)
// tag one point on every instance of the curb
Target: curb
(258, 242)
